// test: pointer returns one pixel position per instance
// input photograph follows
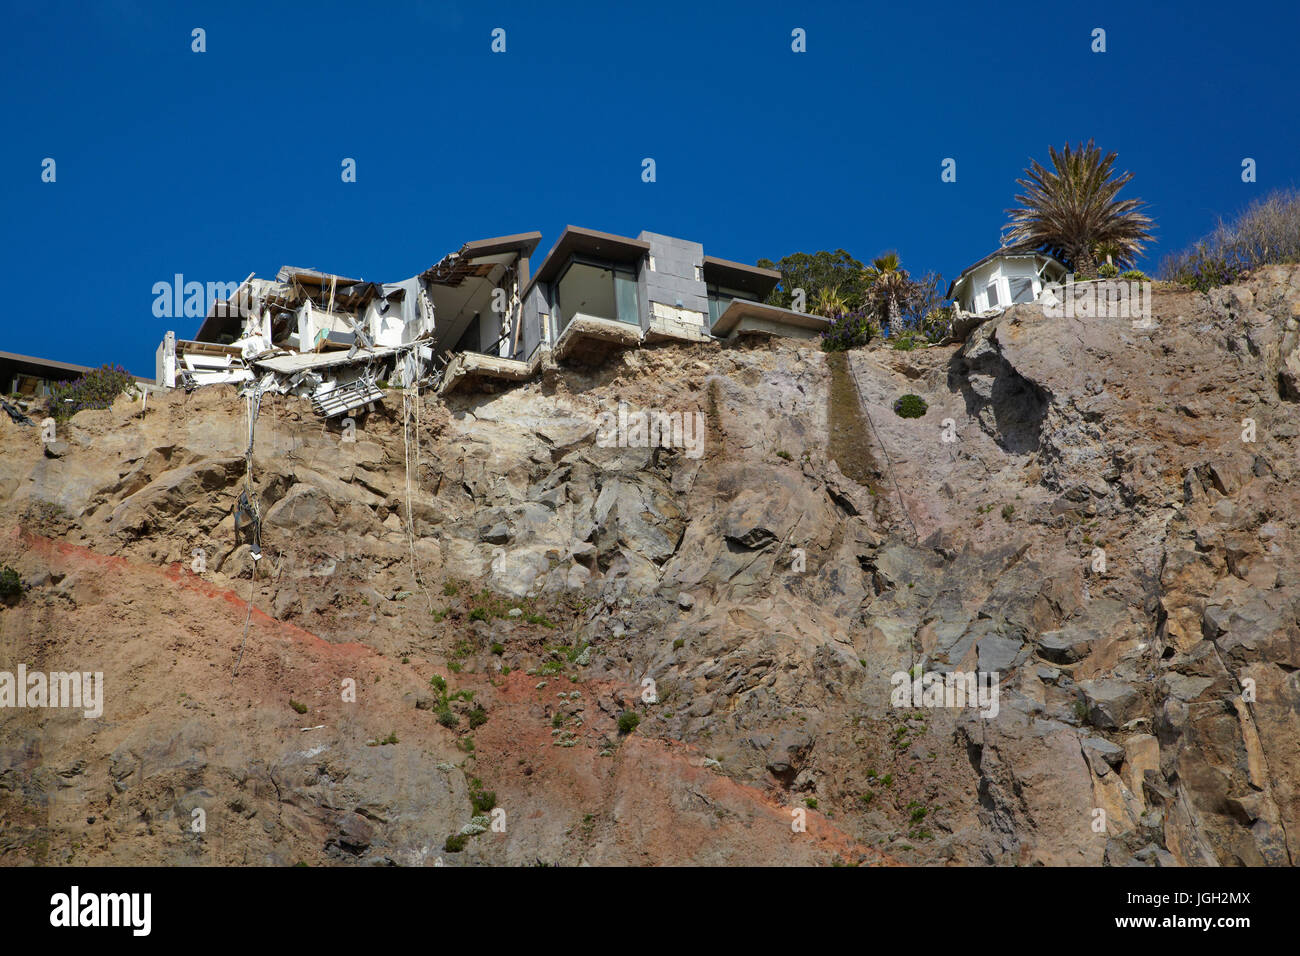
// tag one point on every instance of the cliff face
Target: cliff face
(1098, 532)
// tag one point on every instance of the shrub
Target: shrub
(1008, 511)
(11, 585)
(483, 800)
(1266, 233)
(1107, 271)
(477, 718)
(850, 330)
(910, 406)
(96, 389)
(478, 614)
(448, 718)
(438, 683)
(300, 708)
(936, 324)
(455, 843)
(1134, 275)
(498, 648)
(627, 721)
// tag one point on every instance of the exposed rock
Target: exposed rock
(1099, 534)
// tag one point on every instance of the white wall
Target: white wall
(999, 273)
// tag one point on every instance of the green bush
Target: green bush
(11, 585)
(455, 843)
(910, 406)
(477, 718)
(300, 708)
(937, 323)
(1107, 271)
(1134, 275)
(96, 389)
(627, 721)
(448, 718)
(849, 331)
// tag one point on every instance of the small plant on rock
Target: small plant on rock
(910, 406)
(628, 721)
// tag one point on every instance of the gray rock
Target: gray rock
(1102, 754)
(1111, 703)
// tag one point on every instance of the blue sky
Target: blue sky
(218, 164)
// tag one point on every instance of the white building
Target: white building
(1003, 278)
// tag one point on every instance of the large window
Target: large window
(719, 299)
(598, 289)
(1022, 289)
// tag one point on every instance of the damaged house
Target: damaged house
(334, 338)
(475, 319)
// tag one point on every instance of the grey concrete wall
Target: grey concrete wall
(673, 280)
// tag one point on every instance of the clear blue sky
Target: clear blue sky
(219, 164)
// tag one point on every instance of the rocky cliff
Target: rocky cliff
(1103, 516)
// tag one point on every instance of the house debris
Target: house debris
(474, 320)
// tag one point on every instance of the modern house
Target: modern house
(596, 291)
(1006, 277)
(475, 319)
(27, 377)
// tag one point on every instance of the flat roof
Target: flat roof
(736, 275)
(740, 308)
(522, 242)
(31, 365)
(38, 364)
(599, 245)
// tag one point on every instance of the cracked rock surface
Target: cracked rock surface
(447, 675)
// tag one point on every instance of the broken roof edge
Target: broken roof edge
(524, 243)
(289, 362)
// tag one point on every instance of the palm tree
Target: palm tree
(829, 302)
(889, 286)
(1068, 210)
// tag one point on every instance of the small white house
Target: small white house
(1003, 278)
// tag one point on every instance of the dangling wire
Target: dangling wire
(249, 505)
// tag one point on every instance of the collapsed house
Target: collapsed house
(476, 319)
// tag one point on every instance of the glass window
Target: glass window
(993, 295)
(625, 295)
(599, 290)
(1022, 289)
